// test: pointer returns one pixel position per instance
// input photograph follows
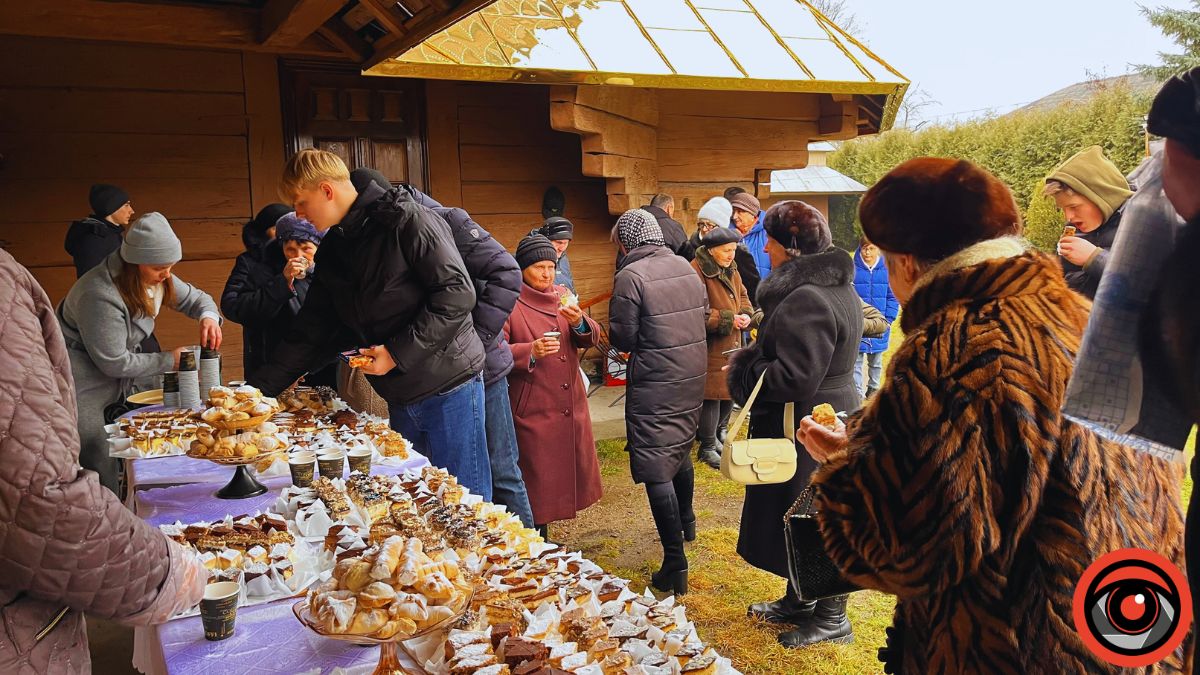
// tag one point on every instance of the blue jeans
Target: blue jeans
(508, 488)
(874, 364)
(448, 428)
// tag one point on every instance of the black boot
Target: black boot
(789, 610)
(710, 453)
(828, 624)
(684, 483)
(672, 576)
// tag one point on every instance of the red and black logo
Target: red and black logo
(1132, 607)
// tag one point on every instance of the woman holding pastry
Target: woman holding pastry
(106, 316)
(805, 354)
(962, 489)
(557, 453)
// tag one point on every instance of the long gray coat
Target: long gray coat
(657, 314)
(104, 343)
(807, 346)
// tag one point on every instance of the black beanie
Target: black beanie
(720, 236)
(106, 199)
(1175, 113)
(363, 176)
(268, 216)
(534, 249)
(557, 228)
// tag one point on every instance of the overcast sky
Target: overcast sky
(972, 55)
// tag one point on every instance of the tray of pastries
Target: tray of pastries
(393, 590)
(154, 434)
(241, 448)
(318, 400)
(243, 407)
(257, 551)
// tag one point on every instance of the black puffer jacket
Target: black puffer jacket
(807, 346)
(657, 314)
(497, 279)
(257, 297)
(388, 274)
(90, 241)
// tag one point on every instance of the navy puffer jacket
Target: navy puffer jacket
(497, 280)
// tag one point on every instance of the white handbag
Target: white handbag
(760, 461)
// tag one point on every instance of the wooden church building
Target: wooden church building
(193, 106)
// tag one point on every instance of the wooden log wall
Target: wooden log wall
(492, 152)
(193, 134)
(709, 141)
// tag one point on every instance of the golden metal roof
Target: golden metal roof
(763, 45)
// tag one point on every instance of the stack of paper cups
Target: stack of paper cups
(171, 390)
(210, 370)
(189, 381)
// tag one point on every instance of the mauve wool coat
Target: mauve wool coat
(557, 453)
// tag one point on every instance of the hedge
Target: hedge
(1021, 148)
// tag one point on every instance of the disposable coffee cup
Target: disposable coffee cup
(331, 466)
(187, 360)
(360, 460)
(302, 465)
(218, 609)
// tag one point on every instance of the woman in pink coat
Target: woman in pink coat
(550, 409)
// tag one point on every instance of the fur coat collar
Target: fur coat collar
(967, 277)
(833, 267)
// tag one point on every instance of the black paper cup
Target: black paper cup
(187, 360)
(360, 460)
(302, 465)
(218, 609)
(331, 466)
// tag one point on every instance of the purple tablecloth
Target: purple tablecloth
(143, 473)
(193, 502)
(266, 639)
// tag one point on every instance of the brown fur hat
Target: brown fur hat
(798, 226)
(934, 207)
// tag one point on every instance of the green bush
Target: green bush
(1020, 148)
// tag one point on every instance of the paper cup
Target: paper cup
(331, 466)
(218, 609)
(360, 460)
(302, 465)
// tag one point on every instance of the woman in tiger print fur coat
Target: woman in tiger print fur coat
(960, 488)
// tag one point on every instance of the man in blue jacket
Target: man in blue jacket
(748, 219)
(497, 280)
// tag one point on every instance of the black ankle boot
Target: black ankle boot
(828, 624)
(710, 453)
(672, 575)
(787, 610)
(689, 531)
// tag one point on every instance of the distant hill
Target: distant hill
(1082, 91)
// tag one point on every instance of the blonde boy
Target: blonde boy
(390, 283)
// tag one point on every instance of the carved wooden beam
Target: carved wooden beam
(138, 22)
(287, 23)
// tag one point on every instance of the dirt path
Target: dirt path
(618, 531)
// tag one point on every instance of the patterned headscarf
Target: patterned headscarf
(637, 228)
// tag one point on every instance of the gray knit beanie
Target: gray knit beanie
(150, 241)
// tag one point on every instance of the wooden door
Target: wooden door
(367, 121)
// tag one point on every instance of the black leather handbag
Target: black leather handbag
(812, 573)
